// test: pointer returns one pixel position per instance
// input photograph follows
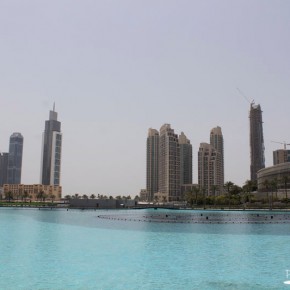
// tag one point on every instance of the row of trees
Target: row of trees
(40, 196)
(236, 195)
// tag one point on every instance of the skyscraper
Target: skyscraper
(3, 168)
(209, 170)
(152, 163)
(256, 140)
(169, 164)
(185, 159)
(15, 159)
(217, 142)
(51, 151)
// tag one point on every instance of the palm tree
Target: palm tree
(92, 196)
(39, 195)
(266, 184)
(25, 195)
(189, 197)
(228, 185)
(52, 197)
(67, 198)
(202, 189)
(76, 196)
(196, 191)
(44, 197)
(285, 180)
(214, 188)
(275, 186)
(9, 195)
(85, 196)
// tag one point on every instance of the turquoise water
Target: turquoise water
(59, 249)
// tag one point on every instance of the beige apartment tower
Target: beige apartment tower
(217, 142)
(185, 159)
(152, 165)
(169, 164)
(209, 170)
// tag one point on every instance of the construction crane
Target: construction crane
(283, 143)
(245, 97)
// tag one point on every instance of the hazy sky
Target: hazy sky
(117, 68)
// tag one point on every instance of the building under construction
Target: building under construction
(256, 140)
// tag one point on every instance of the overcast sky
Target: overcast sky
(117, 68)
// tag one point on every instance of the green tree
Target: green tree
(92, 196)
(214, 189)
(189, 197)
(25, 195)
(274, 187)
(85, 196)
(52, 197)
(40, 195)
(228, 185)
(67, 198)
(196, 192)
(9, 196)
(266, 184)
(285, 180)
(44, 196)
(248, 187)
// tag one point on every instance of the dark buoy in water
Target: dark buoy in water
(155, 208)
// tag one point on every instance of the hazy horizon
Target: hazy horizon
(116, 69)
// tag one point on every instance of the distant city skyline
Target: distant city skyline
(115, 70)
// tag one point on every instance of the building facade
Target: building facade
(169, 164)
(279, 173)
(281, 156)
(256, 141)
(185, 159)
(15, 158)
(152, 163)
(51, 151)
(32, 190)
(3, 168)
(209, 170)
(217, 142)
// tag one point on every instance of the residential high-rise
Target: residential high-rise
(185, 159)
(152, 163)
(169, 164)
(51, 151)
(209, 170)
(3, 168)
(256, 140)
(217, 142)
(281, 156)
(15, 159)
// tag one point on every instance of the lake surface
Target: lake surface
(132, 249)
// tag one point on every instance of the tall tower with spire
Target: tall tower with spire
(51, 151)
